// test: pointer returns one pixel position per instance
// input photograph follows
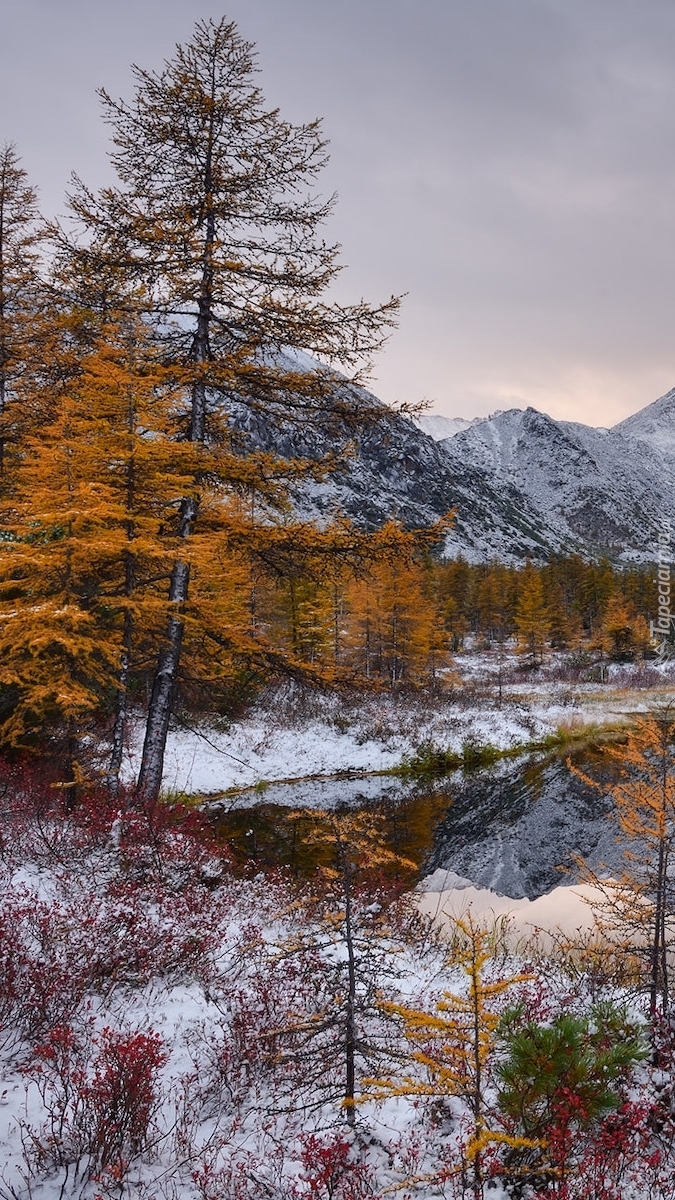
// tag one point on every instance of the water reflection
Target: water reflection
(517, 831)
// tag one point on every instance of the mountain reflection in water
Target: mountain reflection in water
(514, 827)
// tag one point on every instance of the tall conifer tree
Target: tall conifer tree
(641, 903)
(20, 237)
(83, 551)
(216, 217)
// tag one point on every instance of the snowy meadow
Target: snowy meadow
(174, 1027)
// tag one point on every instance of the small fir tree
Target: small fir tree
(559, 1080)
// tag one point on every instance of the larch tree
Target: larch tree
(215, 216)
(318, 578)
(391, 624)
(454, 1045)
(640, 904)
(621, 636)
(354, 886)
(597, 586)
(92, 529)
(20, 238)
(55, 665)
(492, 600)
(82, 545)
(531, 615)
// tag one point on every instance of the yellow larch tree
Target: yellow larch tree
(84, 542)
(640, 905)
(624, 634)
(532, 623)
(393, 627)
(215, 213)
(93, 528)
(309, 582)
(616, 629)
(454, 1043)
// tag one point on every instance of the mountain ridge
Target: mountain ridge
(522, 483)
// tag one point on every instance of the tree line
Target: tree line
(401, 622)
(566, 603)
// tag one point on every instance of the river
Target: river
(514, 827)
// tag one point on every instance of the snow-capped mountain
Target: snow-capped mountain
(521, 483)
(653, 425)
(439, 427)
(596, 490)
(386, 467)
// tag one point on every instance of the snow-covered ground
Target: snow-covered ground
(262, 747)
(294, 735)
(171, 1032)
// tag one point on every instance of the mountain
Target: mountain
(653, 425)
(522, 483)
(386, 467)
(439, 427)
(599, 491)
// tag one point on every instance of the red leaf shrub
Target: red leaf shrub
(99, 1095)
(331, 1170)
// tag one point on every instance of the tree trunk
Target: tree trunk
(477, 1098)
(350, 1016)
(166, 675)
(112, 779)
(163, 689)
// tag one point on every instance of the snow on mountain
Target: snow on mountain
(392, 469)
(653, 425)
(439, 427)
(522, 483)
(596, 490)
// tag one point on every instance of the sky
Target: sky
(508, 164)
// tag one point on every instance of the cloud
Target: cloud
(508, 163)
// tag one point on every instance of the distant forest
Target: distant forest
(404, 621)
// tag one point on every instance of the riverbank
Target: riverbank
(295, 734)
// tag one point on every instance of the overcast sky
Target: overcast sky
(510, 164)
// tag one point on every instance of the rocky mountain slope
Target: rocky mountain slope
(596, 490)
(653, 425)
(522, 483)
